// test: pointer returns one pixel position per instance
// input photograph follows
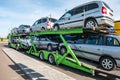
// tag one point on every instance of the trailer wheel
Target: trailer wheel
(51, 59)
(41, 56)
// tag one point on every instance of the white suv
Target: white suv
(93, 15)
(43, 24)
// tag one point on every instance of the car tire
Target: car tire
(42, 29)
(23, 31)
(49, 47)
(41, 56)
(107, 63)
(63, 50)
(31, 30)
(91, 24)
(56, 27)
(51, 59)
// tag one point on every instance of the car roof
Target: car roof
(46, 17)
(114, 35)
(88, 3)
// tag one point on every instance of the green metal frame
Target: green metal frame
(62, 59)
(59, 59)
(13, 45)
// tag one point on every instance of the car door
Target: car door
(64, 21)
(92, 10)
(42, 43)
(91, 49)
(36, 25)
(77, 17)
(112, 47)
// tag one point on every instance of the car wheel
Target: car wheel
(51, 59)
(107, 63)
(41, 56)
(42, 29)
(56, 27)
(31, 30)
(91, 23)
(49, 47)
(23, 31)
(63, 50)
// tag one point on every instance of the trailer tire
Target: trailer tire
(51, 59)
(17, 48)
(41, 56)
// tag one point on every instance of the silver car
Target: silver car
(26, 42)
(14, 31)
(42, 24)
(24, 29)
(104, 48)
(93, 15)
(45, 43)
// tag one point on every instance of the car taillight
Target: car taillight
(48, 23)
(104, 10)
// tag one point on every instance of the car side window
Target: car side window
(67, 14)
(43, 39)
(43, 20)
(52, 20)
(101, 40)
(39, 21)
(91, 6)
(92, 40)
(110, 41)
(78, 10)
(81, 40)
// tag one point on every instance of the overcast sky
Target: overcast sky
(16, 12)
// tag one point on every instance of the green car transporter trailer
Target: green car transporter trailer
(54, 57)
(16, 45)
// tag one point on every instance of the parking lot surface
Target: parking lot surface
(42, 70)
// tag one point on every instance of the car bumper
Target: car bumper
(105, 21)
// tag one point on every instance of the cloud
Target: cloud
(16, 12)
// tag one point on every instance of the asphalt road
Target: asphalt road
(9, 70)
(79, 75)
